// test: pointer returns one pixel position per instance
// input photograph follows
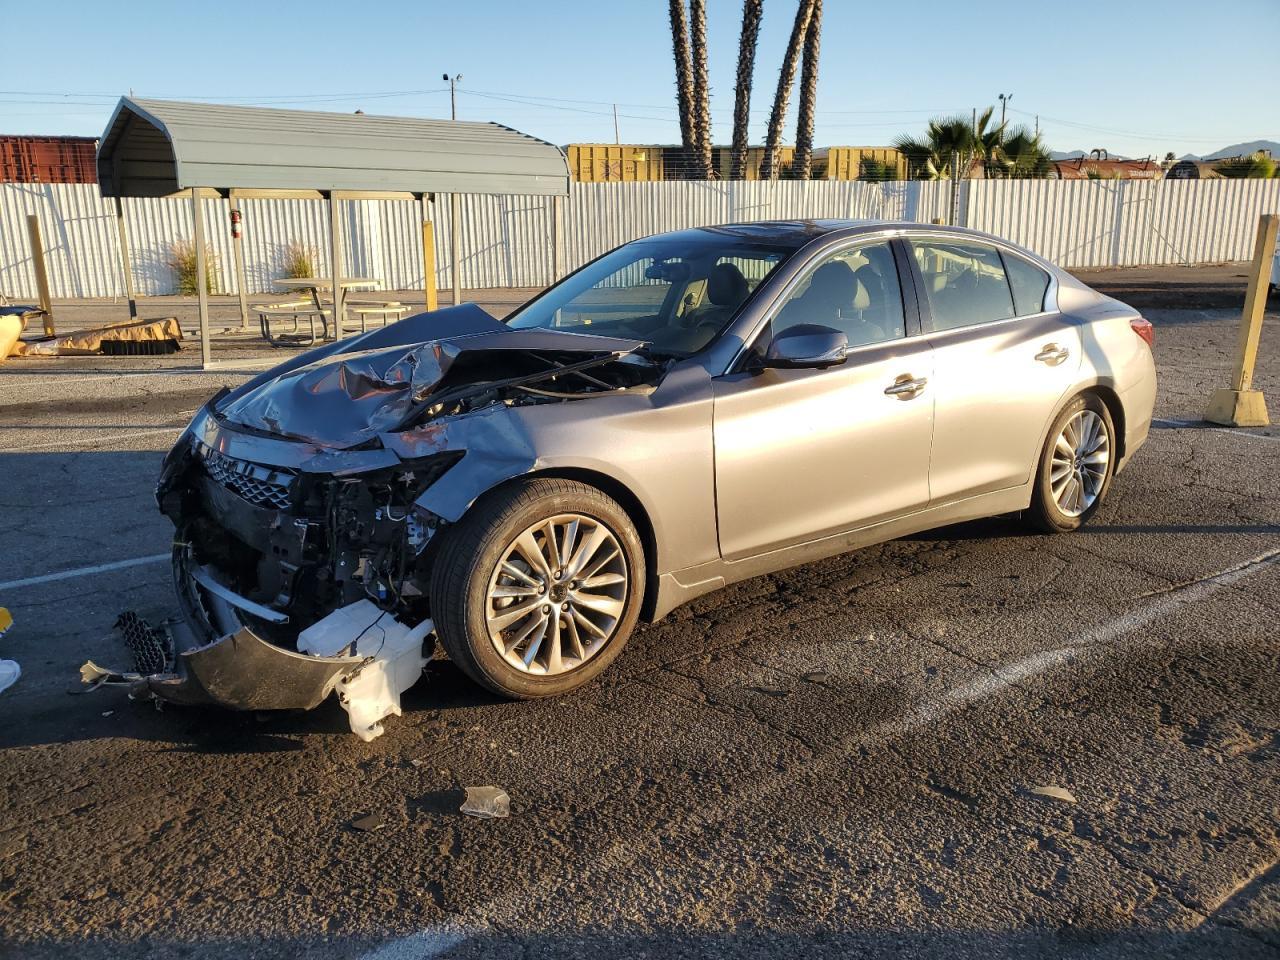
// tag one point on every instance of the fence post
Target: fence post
(42, 272)
(202, 273)
(237, 252)
(1240, 405)
(429, 264)
(455, 246)
(557, 238)
(122, 229)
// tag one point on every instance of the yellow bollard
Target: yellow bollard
(429, 263)
(1240, 405)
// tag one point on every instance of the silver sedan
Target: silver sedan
(686, 411)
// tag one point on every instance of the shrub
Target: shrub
(300, 260)
(1257, 167)
(182, 260)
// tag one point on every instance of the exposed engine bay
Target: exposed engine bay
(298, 499)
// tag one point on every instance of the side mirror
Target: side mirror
(807, 346)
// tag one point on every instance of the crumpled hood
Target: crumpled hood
(367, 385)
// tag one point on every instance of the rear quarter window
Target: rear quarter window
(1029, 285)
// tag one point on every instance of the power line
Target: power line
(1120, 133)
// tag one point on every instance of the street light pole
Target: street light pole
(455, 212)
(1004, 102)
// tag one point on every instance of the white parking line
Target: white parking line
(177, 428)
(83, 571)
(435, 941)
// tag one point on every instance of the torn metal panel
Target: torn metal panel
(344, 398)
(497, 446)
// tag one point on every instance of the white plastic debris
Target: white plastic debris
(371, 692)
(1055, 793)
(332, 635)
(9, 669)
(9, 674)
(487, 803)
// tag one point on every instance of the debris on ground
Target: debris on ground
(9, 669)
(9, 674)
(1054, 793)
(776, 692)
(487, 803)
(162, 335)
(152, 652)
(369, 822)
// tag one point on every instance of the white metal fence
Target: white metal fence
(508, 241)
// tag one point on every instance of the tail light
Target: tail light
(1143, 328)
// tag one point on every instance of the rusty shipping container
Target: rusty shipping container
(1099, 166)
(26, 159)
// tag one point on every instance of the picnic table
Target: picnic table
(317, 287)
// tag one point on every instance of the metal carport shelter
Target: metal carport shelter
(159, 148)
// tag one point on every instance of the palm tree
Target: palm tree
(949, 140)
(701, 120)
(768, 169)
(945, 139)
(803, 166)
(747, 42)
(684, 72)
(1020, 155)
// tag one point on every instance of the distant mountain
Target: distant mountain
(1238, 150)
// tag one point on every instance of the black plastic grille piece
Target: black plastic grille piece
(261, 486)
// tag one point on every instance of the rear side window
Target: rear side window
(964, 282)
(1029, 284)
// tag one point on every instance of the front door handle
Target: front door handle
(1052, 354)
(906, 387)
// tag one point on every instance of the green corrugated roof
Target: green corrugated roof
(162, 146)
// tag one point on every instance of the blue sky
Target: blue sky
(1136, 78)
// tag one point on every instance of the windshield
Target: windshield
(676, 293)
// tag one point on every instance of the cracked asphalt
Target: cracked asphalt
(840, 759)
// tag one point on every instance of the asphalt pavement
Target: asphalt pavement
(848, 758)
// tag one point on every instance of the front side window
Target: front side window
(855, 291)
(676, 293)
(964, 282)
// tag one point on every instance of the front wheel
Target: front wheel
(537, 589)
(1075, 468)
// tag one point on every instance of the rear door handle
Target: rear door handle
(906, 387)
(1052, 354)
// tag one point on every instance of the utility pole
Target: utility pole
(1037, 125)
(455, 205)
(617, 137)
(1004, 102)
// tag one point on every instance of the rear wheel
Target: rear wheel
(1076, 466)
(537, 589)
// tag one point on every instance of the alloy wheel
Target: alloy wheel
(557, 594)
(1081, 454)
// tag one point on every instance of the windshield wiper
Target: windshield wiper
(652, 353)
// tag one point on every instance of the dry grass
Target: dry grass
(182, 260)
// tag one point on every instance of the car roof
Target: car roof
(799, 233)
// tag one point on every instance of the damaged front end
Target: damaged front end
(305, 505)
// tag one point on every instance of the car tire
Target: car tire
(469, 573)
(1053, 508)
